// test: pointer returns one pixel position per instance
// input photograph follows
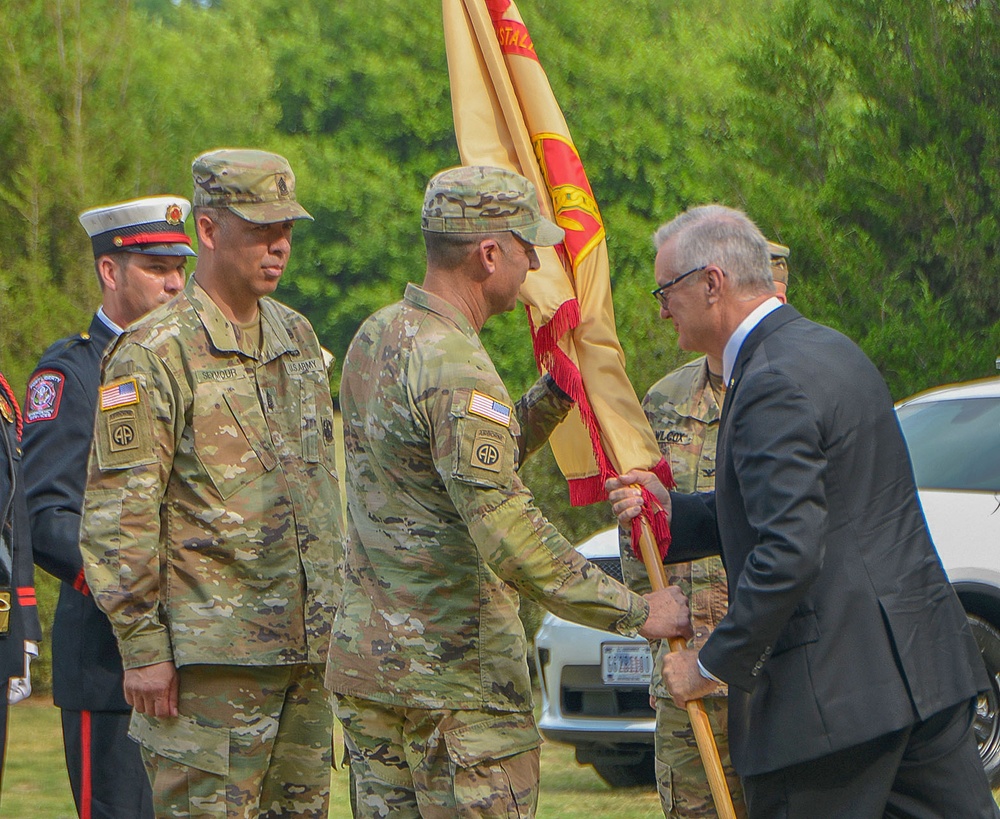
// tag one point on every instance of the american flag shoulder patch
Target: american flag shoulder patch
(484, 406)
(119, 394)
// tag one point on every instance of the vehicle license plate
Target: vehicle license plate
(626, 663)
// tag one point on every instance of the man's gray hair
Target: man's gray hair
(721, 236)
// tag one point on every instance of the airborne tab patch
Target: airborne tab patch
(487, 448)
(122, 431)
(489, 408)
(119, 394)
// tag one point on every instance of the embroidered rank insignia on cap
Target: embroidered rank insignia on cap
(485, 407)
(44, 394)
(487, 448)
(119, 394)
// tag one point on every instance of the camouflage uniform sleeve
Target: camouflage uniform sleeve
(140, 418)
(540, 410)
(474, 453)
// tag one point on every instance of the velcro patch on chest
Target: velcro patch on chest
(674, 437)
(490, 408)
(488, 449)
(44, 394)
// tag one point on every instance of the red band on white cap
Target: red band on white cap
(153, 239)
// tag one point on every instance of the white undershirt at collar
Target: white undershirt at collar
(736, 340)
(114, 328)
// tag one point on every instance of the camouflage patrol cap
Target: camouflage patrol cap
(255, 185)
(779, 261)
(475, 199)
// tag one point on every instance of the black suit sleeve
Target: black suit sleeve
(55, 461)
(779, 460)
(23, 623)
(693, 530)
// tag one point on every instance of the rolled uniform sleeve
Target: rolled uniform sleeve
(140, 416)
(475, 455)
(539, 411)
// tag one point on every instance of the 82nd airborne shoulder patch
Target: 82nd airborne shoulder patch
(488, 448)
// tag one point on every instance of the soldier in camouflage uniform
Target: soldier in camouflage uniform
(211, 521)
(683, 409)
(428, 655)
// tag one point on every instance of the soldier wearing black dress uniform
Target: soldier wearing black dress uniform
(19, 628)
(140, 250)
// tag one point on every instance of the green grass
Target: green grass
(35, 785)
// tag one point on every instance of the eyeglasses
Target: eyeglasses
(660, 293)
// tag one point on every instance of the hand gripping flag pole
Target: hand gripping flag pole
(506, 115)
(700, 725)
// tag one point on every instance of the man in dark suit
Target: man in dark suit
(140, 250)
(852, 671)
(19, 627)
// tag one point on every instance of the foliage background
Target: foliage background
(861, 133)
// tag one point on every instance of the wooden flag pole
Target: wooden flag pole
(696, 709)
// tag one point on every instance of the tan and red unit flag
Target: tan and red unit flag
(507, 116)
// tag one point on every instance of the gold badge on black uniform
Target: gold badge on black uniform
(6, 410)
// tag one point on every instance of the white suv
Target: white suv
(954, 438)
(595, 685)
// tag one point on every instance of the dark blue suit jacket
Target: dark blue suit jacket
(18, 573)
(842, 626)
(86, 664)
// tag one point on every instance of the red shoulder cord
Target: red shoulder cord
(19, 420)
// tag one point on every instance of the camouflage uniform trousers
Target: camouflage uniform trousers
(680, 775)
(250, 741)
(440, 764)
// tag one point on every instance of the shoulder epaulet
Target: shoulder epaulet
(9, 407)
(81, 338)
(68, 343)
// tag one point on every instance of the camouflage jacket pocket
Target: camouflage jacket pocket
(183, 740)
(484, 434)
(502, 736)
(318, 438)
(486, 453)
(231, 437)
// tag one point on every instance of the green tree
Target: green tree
(876, 162)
